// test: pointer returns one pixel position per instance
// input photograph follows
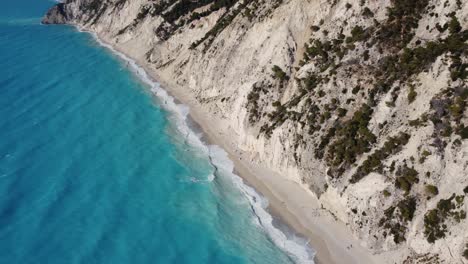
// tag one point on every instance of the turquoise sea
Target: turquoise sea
(96, 169)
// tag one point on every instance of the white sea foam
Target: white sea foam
(210, 178)
(295, 246)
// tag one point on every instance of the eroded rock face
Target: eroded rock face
(362, 102)
(56, 15)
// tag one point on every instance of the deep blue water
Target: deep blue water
(94, 170)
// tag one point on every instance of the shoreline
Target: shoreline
(295, 206)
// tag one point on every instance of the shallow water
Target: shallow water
(94, 170)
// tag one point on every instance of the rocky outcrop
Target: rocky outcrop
(56, 15)
(363, 102)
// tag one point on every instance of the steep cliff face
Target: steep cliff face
(364, 102)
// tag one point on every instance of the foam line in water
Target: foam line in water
(21, 21)
(295, 246)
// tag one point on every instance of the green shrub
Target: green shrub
(424, 156)
(357, 34)
(415, 123)
(365, 55)
(403, 16)
(252, 102)
(407, 208)
(311, 82)
(395, 222)
(221, 24)
(386, 193)
(276, 104)
(315, 28)
(403, 183)
(447, 132)
(456, 109)
(367, 12)
(341, 112)
(434, 227)
(408, 176)
(454, 26)
(463, 132)
(431, 190)
(374, 161)
(353, 139)
(412, 94)
(279, 74)
(459, 216)
(356, 89)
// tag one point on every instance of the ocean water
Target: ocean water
(94, 168)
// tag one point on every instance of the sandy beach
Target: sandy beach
(294, 205)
